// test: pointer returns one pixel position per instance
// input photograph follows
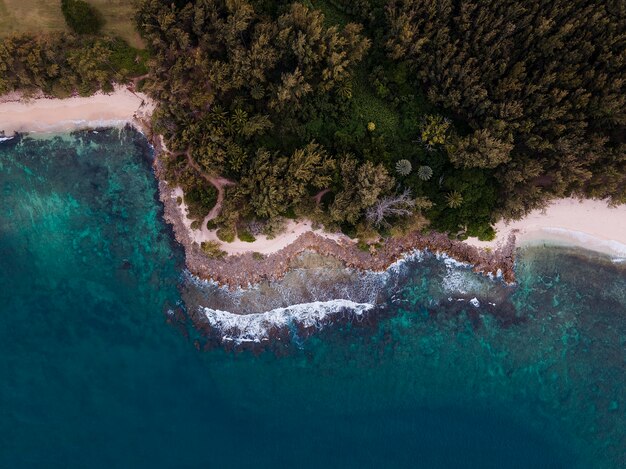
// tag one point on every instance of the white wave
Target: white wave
(414, 255)
(256, 327)
(450, 261)
(474, 302)
(4, 139)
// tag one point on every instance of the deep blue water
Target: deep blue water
(93, 374)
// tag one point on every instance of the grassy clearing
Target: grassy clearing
(371, 108)
(41, 16)
(332, 15)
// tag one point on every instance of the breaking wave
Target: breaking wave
(258, 327)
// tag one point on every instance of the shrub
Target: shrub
(226, 234)
(257, 256)
(127, 59)
(195, 225)
(403, 167)
(81, 17)
(246, 236)
(211, 225)
(274, 227)
(212, 249)
(425, 173)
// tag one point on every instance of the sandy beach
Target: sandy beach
(49, 115)
(589, 224)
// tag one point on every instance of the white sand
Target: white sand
(262, 244)
(590, 224)
(51, 115)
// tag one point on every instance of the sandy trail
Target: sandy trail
(262, 244)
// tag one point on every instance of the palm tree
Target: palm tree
(425, 173)
(454, 199)
(403, 167)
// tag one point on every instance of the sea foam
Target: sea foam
(257, 327)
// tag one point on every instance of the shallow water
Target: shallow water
(96, 371)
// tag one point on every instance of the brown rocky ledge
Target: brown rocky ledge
(243, 270)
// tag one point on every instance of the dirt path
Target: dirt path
(218, 182)
(318, 197)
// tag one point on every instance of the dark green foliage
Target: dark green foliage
(497, 105)
(246, 236)
(200, 199)
(476, 211)
(225, 234)
(128, 60)
(61, 64)
(81, 17)
(541, 85)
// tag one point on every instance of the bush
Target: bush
(128, 60)
(274, 226)
(212, 249)
(211, 225)
(200, 199)
(226, 234)
(81, 17)
(257, 256)
(246, 236)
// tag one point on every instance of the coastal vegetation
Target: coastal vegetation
(371, 117)
(60, 64)
(366, 115)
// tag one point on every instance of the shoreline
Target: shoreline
(589, 224)
(40, 114)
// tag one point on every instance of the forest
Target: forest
(373, 117)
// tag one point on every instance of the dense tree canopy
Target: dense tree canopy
(359, 114)
(541, 84)
(498, 105)
(61, 64)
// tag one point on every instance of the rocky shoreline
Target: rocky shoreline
(244, 270)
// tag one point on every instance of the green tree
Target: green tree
(424, 173)
(403, 167)
(454, 199)
(81, 17)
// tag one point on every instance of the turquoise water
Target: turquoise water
(101, 368)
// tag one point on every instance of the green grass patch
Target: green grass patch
(332, 15)
(45, 16)
(369, 107)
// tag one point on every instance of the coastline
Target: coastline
(585, 223)
(589, 224)
(40, 114)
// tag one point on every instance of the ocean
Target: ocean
(111, 355)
